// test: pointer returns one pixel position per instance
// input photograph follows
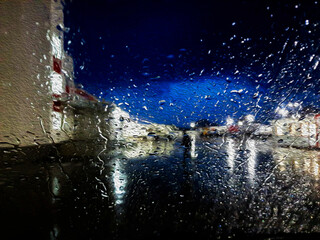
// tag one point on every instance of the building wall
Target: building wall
(29, 84)
(90, 123)
(25, 101)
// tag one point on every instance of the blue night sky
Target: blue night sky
(174, 61)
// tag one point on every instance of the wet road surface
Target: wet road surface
(213, 188)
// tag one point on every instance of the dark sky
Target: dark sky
(174, 61)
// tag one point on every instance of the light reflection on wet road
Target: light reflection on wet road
(217, 187)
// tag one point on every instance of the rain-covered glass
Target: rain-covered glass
(159, 119)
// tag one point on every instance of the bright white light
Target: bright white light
(56, 44)
(315, 65)
(251, 146)
(283, 112)
(304, 129)
(192, 124)
(56, 120)
(230, 121)
(193, 153)
(240, 123)
(279, 131)
(231, 151)
(290, 104)
(250, 118)
(119, 181)
(56, 83)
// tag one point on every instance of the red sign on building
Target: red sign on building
(57, 65)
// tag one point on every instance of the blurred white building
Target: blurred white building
(298, 132)
(122, 127)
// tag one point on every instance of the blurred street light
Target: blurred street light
(250, 118)
(282, 111)
(230, 121)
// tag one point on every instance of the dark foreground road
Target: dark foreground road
(216, 188)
